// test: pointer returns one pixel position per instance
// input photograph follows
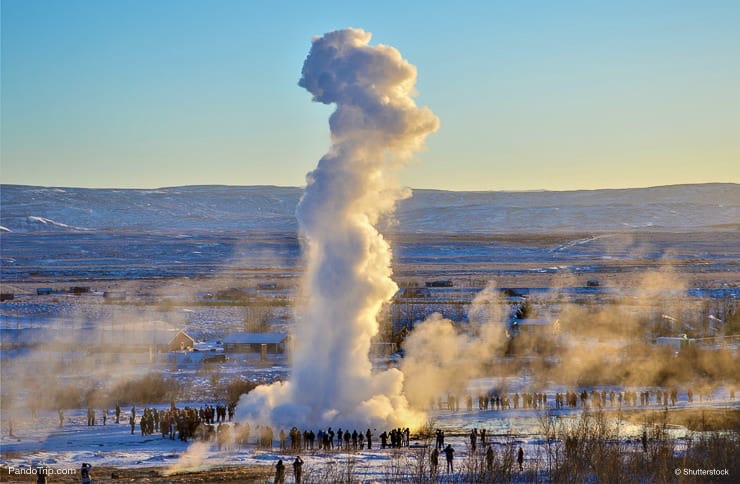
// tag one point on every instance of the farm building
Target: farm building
(180, 341)
(270, 343)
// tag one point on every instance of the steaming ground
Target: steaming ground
(182, 302)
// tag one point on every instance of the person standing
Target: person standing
(297, 469)
(520, 459)
(434, 462)
(85, 477)
(42, 473)
(282, 438)
(279, 472)
(449, 455)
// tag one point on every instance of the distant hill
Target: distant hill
(714, 206)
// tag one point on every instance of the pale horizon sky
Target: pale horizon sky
(533, 95)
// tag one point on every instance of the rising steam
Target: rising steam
(375, 128)
(441, 359)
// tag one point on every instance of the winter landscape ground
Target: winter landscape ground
(538, 293)
(354, 330)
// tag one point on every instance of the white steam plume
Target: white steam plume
(442, 357)
(375, 128)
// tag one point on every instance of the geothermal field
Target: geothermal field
(544, 336)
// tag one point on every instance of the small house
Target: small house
(270, 343)
(181, 341)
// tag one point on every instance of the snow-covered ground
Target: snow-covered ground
(43, 442)
(238, 237)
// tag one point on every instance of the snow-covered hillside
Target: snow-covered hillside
(236, 209)
(192, 208)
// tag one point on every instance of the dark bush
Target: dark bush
(234, 389)
(151, 388)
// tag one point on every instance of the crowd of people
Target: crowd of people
(395, 438)
(211, 423)
(571, 399)
(329, 439)
(345, 440)
(186, 421)
(181, 423)
(203, 423)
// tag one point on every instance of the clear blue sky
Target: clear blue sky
(531, 95)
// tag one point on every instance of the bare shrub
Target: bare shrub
(502, 462)
(232, 390)
(591, 450)
(474, 467)
(712, 450)
(151, 388)
(339, 471)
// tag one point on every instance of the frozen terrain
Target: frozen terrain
(165, 256)
(74, 233)
(219, 209)
(113, 445)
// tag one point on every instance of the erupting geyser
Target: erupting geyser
(375, 128)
